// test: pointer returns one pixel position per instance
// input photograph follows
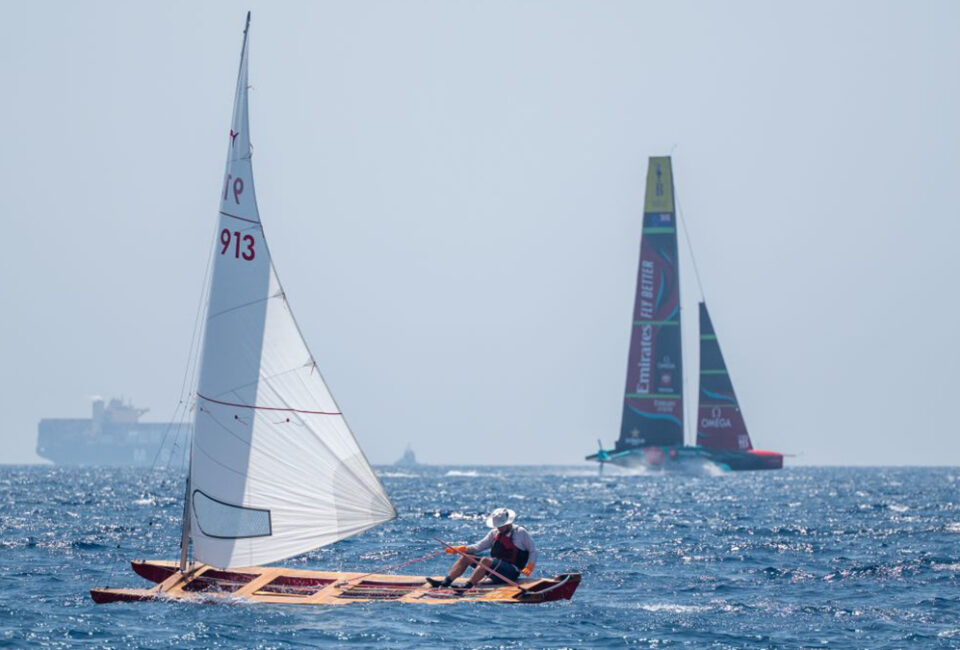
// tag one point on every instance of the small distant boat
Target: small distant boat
(409, 459)
(274, 469)
(652, 429)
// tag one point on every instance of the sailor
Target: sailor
(512, 552)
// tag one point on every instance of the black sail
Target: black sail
(720, 423)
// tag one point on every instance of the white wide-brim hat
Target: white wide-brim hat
(501, 517)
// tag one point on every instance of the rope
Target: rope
(395, 566)
(189, 369)
(488, 569)
(686, 235)
(177, 424)
(696, 272)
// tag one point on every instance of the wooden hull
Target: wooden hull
(277, 585)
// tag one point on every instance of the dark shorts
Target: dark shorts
(504, 568)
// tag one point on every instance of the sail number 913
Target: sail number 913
(242, 244)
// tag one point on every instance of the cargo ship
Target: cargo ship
(113, 435)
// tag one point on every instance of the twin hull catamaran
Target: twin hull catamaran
(274, 469)
(651, 431)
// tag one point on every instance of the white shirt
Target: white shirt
(521, 539)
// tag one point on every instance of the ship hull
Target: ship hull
(277, 585)
(79, 442)
(670, 458)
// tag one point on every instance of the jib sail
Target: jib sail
(720, 423)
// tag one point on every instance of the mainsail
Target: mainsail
(653, 401)
(720, 423)
(275, 470)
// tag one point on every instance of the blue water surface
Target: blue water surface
(804, 557)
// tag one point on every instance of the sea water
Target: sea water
(804, 557)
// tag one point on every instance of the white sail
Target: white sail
(275, 470)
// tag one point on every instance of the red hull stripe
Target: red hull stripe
(268, 408)
(233, 216)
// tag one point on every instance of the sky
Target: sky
(453, 195)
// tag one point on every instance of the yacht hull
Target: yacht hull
(684, 458)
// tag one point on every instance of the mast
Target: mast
(653, 398)
(185, 523)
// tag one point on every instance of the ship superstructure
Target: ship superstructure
(113, 435)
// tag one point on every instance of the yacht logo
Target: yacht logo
(233, 137)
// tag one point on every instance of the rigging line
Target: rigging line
(390, 568)
(171, 424)
(185, 454)
(696, 273)
(192, 354)
(246, 304)
(185, 430)
(205, 306)
(686, 235)
(173, 447)
(176, 439)
(197, 357)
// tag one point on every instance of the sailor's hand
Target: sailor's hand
(454, 549)
(527, 570)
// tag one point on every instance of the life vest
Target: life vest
(506, 550)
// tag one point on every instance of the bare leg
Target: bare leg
(458, 568)
(481, 570)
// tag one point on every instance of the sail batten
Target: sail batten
(653, 397)
(268, 408)
(275, 469)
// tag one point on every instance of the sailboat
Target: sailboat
(275, 471)
(652, 423)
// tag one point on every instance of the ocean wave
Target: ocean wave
(674, 608)
(471, 473)
(769, 559)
